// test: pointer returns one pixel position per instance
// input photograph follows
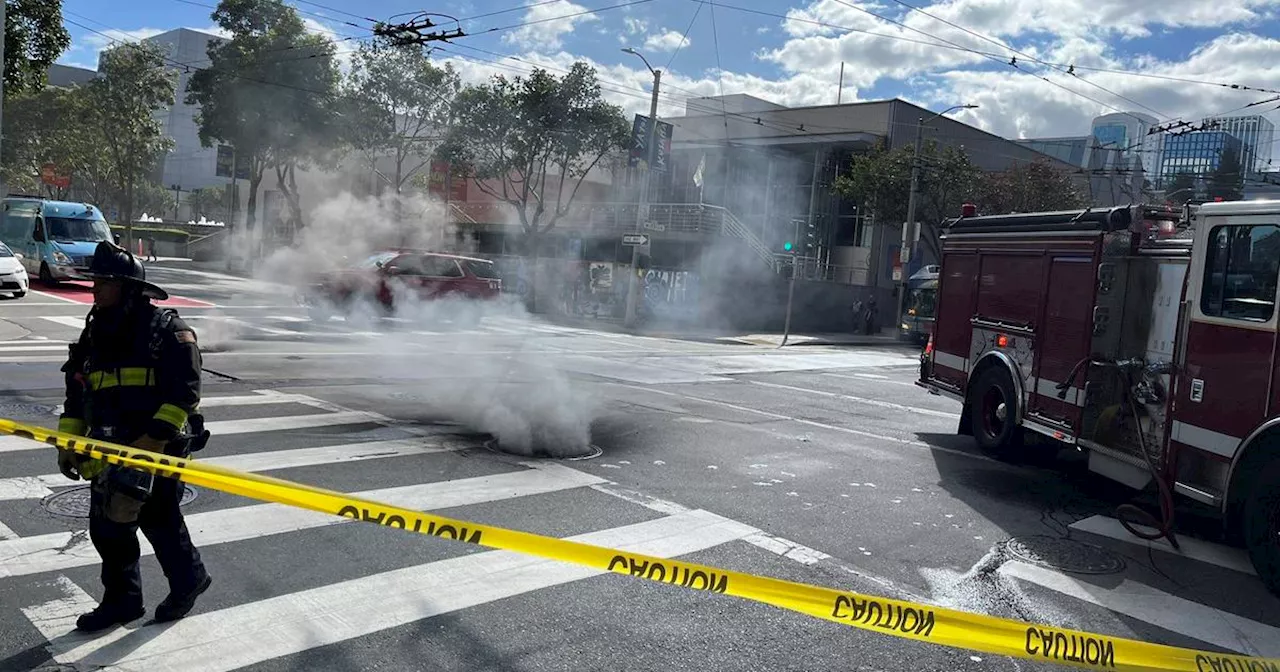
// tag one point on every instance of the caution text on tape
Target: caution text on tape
(910, 620)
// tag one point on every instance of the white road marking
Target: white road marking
(6, 533)
(1195, 549)
(65, 320)
(33, 345)
(37, 487)
(865, 377)
(63, 299)
(1160, 609)
(61, 550)
(811, 423)
(863, 400)
(245, 426)
(251, 633)
(774, 544)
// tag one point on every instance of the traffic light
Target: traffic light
(788, 246)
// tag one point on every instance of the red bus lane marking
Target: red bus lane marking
(80, 292)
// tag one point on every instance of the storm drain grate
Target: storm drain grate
(1065, 555)
(74, 502)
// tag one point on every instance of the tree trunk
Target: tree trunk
(251, 208)
(535, 245)
(127, 211)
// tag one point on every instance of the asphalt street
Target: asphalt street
(817, 464)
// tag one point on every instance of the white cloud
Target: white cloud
(666, 41)
(113, 37)
(547, 25)
(635, 26)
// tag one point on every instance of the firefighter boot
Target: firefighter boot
(175, 606)
(106, 616)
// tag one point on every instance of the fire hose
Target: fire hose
(1129, 515)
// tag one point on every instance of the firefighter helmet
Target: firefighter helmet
(112, 262)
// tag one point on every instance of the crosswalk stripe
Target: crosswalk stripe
(36, 487)
(244, 426)
(65, 320)
(62, 550)
(1175, 614)
(34, 346)
(250, 633)
(1194, 549)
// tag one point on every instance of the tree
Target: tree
(268, 92)
(122, 104)
(881, 181)
(34, 38)
(530, 142)
(1029, 187)
(42, 128)
(1225, 181)
(1181, 188)
(208, 202)
(398, 106)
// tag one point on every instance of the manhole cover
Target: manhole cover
(74, 502)
(1065, 555)
(13, 409)
(593, 451)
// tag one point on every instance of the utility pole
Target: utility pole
(791, 290)
(177, 199)
(642, 211)
(910, 230)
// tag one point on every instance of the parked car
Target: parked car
(13, 277)
(382, 277)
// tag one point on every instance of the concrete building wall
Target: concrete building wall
(66, 76)
(188, 164)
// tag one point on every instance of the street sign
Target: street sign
(635, 239)
(653, 226)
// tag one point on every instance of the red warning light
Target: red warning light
(1217, 199)
(1002, 341)
(968, 210)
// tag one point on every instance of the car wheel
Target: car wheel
(46, 276)
(1262, 525)
(993, 412)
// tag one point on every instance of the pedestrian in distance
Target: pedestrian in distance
(133, 378)
(151, 247)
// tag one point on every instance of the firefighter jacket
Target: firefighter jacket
(132, 373)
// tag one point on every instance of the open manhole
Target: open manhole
(1065, 555)
(74, 502)
(589, 452)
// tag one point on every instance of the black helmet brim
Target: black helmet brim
(149, 290)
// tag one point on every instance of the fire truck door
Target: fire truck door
(1226, 378)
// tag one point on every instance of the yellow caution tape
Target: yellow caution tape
(909, 620)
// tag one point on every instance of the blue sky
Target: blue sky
(902, 52)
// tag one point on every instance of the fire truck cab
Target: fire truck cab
(1143, 335)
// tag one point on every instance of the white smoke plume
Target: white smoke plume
(513, 393)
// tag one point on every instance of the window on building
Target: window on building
(1240, 272)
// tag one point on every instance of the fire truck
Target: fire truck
(1143, 335)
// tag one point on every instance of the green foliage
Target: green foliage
(1181, 188)
(268, 92)
(398, 105)
(34, 38)
(1029, 187)
(160, 234)
(121, 108)
(209, 202)
(530, 141)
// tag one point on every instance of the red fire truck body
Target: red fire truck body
(1146, 336)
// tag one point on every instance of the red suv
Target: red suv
(428, 275)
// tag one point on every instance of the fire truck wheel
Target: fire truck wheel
(1262, 525)
(992, 409)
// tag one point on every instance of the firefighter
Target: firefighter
(133, 378)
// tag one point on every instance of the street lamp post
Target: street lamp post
(642, 211)
(910, 231)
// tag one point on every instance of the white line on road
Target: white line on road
(63, 299)
(251, 633)
(34, 346)
(244, 426)
(65, 320)
(6, 533)
(811, 423)
(62, 550)
(1195, 549)
(863, 400)
(36, 487)
(1160, 609)
(866, 377)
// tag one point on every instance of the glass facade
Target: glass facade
(1197, 153)
(1112, 136)
(1256, 135)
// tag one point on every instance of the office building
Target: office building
(1256, 134)
(1197, 153)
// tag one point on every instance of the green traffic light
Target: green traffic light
(787, 246)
